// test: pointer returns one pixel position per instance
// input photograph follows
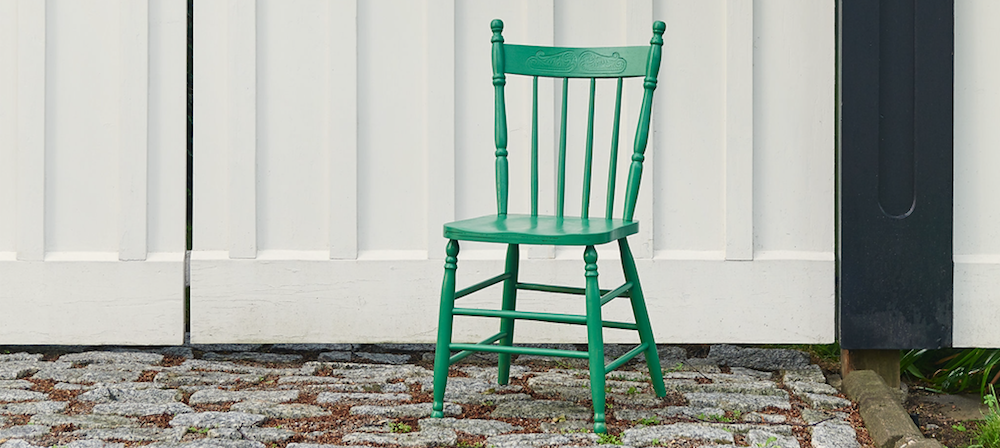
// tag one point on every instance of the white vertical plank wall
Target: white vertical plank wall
(92, 161)
(977, 211)
(332, 140)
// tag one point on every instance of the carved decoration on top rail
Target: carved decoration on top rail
(572, 60)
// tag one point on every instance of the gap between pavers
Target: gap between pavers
(888, 423)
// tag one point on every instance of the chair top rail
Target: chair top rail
(570, 62)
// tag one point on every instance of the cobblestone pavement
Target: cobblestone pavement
(321, 396)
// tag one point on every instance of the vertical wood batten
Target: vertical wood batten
(133, 142)
(440, 121)
(343, 128)
(638, 30)
(30, 196)
(739, 130)
(242, 127)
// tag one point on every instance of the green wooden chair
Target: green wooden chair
(560, 230)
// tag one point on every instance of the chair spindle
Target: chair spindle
(589, 155)
(561, 173)
(613, 159)
(534, 146)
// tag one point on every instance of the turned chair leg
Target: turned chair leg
(595, 339)
(509, 304)
(445, 318)
(642, 319)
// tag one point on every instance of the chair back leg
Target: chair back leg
(442, 352)
(509, 304)
(642, 319)
(595, 339)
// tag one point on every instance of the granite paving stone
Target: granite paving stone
(80, 376)
(670, 411)
(15, 384)
(22, 356)
(215, 419)
(335, 356)
(93, 443)
(418, 410)
(645, 435)
(17, 443)
(17, 370)
(209, 443)
(479, 427)
(820, 401)
(84, 421)
(105, 357)
(737, 402)
(132, 434)
(252, 356)
(834, 435)
(543, 409)
(315, 347)
(130, 395)
(336, 397)
(293, 410)
(207, 396)
(769, 439)
(23, 431)
(800, 387)
(21, 395)
(202, 378)
(433, 438)
(540, 440)
(811, 373)
(265, 435)
(33, 407)
(758, 358)
(142, 409)
(384, 358)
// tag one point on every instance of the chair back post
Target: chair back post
(642, 132)
(500, 131)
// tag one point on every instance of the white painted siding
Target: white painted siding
(977, 210)
(92, 159)
(333, 140)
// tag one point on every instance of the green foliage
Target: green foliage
(608, 439)
(959, 427)
(399, 427)
(632, 390)
(648, 421)
(467, 444)
(769, 443)
(195, 430)
(988, 433)
(954, 370)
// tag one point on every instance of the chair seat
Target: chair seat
(527, 229)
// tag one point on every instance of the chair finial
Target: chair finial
(496, 25)
(658, 29)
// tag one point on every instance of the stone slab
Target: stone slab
(252, 356)
(33, 407)
(107, 357)
(83, 421)
(645, 435)
(834, 435)
(142, 409)
(15, 384)
(131, 434)
(21, 395)
(543, 409)
(210, 396)
(293, 410)
(737, 402)
(23, 431)
(411, 439)
(215, 419)
(478, 427)
(540, 440)
(758, 358)
(419, 410)
(336, 397)
(129, 395)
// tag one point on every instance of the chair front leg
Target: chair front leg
(509, 304)
(595, 338)
(442, 352)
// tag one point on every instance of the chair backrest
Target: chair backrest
(566, 63)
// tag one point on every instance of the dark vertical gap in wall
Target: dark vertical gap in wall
(190, 163)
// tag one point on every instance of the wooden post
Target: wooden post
(884, 362)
